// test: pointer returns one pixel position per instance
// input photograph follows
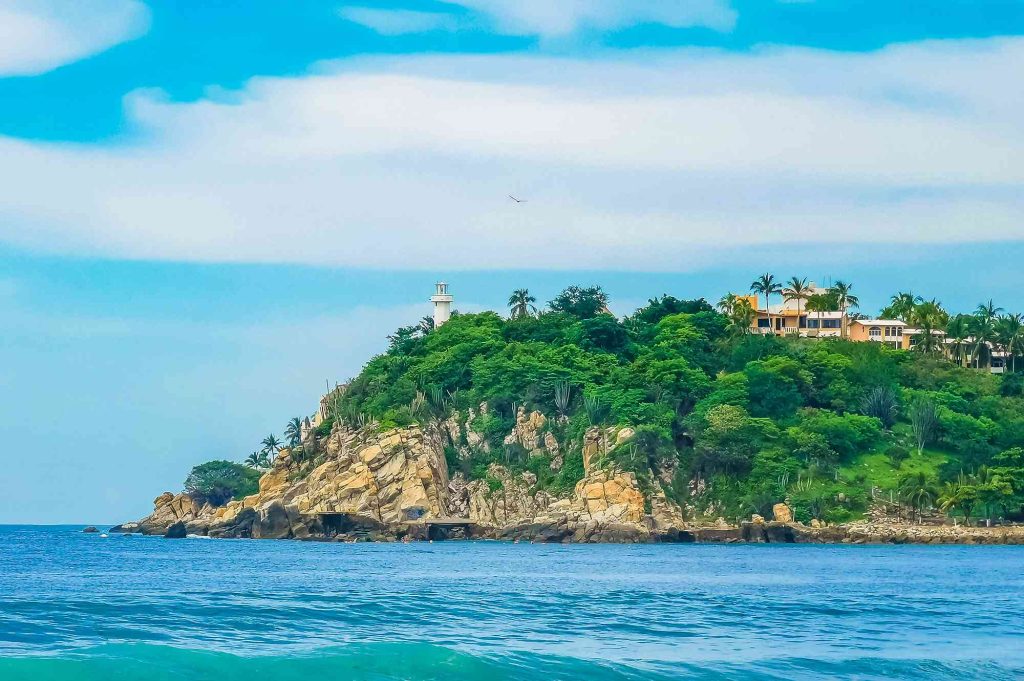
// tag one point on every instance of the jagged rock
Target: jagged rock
(513, 502)
(815, 523)
(624, 436)
(237, 526)
(176, 531)
(90, 530)
(168, 509)
(782, 513)
(591, 446)
(526, 431)
(666, 515)
(271, 522)
(757, 519)
(551, 444)
(458, 497)
(611, 496)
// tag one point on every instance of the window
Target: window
(875, 332)
(830, 323)
(812, 323)
(764, 323)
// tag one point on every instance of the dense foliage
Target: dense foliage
(731, 423)
(218, 482)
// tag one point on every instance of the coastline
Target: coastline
(868, 533)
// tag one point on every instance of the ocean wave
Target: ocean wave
(427, 662)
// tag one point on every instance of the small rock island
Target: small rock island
(679, 423)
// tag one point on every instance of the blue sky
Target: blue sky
(208, 209)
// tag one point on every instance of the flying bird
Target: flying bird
(516, 200)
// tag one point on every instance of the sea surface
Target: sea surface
(84, 607)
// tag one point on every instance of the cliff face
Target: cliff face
(392, 484)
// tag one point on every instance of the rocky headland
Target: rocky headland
(364, 484)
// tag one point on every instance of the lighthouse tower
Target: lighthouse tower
(442, 301)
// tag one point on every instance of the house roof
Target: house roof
(879, 322)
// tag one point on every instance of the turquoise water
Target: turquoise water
(76, 606)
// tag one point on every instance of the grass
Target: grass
(878, 470)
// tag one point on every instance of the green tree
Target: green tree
(293, 431)
(766, 286)
(218, 482)
(1009, 333)
(521, 304)
(901, 306)
(741, 318)
(931, 320)
(256, 460)
(958, 331)
(919, 491)
(845, 299)
(797, 289)
(582, 303)
(271, 445)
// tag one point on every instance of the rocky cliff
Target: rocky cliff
(366, 484)
(396, 484)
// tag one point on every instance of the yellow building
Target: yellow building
(790, 318)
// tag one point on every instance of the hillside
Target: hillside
(679, 402)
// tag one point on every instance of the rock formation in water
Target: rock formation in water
(395, 484)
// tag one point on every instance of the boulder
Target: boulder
(272, 522)
(176, 531)
(90, 530)
(782, 513)
(236, 526)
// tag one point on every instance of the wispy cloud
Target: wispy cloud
(398, 21)
(548, 18)
(635, 161)
(40, 35)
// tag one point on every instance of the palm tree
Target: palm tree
(521, 304)
(984, 329)
(1010, 334)
(741, 317)
(796, 289)
(919, 491)
(254, 460)
(818, 303)
(988, 310)
(901, 306)
(727, 303)
(293, 431)
(271, 445)
(426, 325)
(930, 319)
(959, 331)
(845, 299)
(766, 285)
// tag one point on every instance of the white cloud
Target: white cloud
(40, 35)
(644, 161)
(561, 17)
(398, 22)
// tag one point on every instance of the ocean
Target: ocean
(84, 607)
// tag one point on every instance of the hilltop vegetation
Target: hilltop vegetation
(730, 423)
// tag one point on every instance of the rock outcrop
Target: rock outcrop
(782, 513)
(169, 509)
(362, 484)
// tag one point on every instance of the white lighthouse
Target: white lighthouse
(442, 301)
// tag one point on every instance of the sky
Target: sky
(211, 208)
